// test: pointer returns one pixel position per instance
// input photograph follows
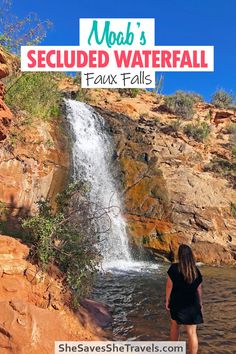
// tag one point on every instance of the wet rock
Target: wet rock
(98, 311)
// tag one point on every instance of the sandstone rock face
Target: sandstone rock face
(200, 201)
(9, 64)
(146, 200)
(33, 309)
(4, 68)
(35, 165)
(170, 197)
(5, 114)
(34, 158)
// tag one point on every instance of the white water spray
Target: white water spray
(92, 155)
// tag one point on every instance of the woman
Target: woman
(184, 297)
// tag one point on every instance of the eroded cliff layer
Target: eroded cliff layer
(176, 189)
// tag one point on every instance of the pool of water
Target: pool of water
(136, 298)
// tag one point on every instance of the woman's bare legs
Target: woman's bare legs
(192, 338)
(174, 330)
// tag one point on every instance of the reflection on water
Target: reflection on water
(137, 303)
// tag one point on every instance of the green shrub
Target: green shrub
(77, 79)
(196, 97)
(181, 103)
(222, 99)
(3, 210)
(176, 125)
(234, 151)
(82, 95)
(221, 166)
(198, 131)
(233, 209)
(232, 139)
(35, 93)
(66, 238)
(231, 129)
(145, 240)
(130, 92)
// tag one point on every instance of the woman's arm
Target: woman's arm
(169, 286)
(199, 291)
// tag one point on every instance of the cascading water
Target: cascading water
(92, 157)
(92, 154)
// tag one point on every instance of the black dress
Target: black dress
(184, 300)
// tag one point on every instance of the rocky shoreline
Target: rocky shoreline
(33, 301)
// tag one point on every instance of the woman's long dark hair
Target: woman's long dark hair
(187, 264)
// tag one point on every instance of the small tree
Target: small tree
(222, 99)
(181, 103)
(129, 92)
(198, 131)
(66, 238)
(15, 31)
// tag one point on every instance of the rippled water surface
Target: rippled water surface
(137, 298)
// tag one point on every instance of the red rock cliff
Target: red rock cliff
(175, 189)
(34, 158)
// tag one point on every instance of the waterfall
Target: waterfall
(92, 156)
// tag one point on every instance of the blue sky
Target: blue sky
(178, 22)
